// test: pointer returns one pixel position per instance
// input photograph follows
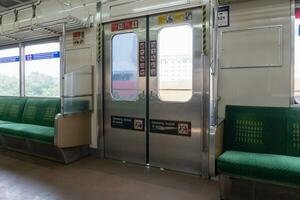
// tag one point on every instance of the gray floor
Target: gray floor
(23, 177)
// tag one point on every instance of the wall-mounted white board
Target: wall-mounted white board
(252, 47)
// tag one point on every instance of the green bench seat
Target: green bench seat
(262, 143)
(30, 131)
(4, 122)
(266, 167)
(34, 126)
(29, 118)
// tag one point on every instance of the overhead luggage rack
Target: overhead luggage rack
(41, 31)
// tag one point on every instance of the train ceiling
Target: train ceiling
(9, 4)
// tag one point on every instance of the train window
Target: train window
(297, 58)
(175, 63)
(9, 72)
(125, 67)
(42, 69)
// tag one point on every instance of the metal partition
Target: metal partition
(78, 91)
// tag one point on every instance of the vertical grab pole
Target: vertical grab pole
(205, 87)
(100, 89)
(62, 65)
(214, 76)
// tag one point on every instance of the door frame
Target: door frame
(211, 58)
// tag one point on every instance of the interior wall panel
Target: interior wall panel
(258, 86)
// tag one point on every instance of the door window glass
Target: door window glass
(9, 72)
(175, 63)
(125, 67)
(297, 58)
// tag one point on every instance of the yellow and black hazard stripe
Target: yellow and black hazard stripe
(99, 42)
(204, 29)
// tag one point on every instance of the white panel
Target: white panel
(267, 86)
(76, 58)
(122, 9)
(141, 6)
(253, 47)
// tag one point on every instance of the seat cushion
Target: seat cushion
(41, 111)
(36, 132)
(5, 122)
(267, 167)
(11, 108)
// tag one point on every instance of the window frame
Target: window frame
(158, 65)
(21, 46)
(111, 66)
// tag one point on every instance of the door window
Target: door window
(175, 63)
(125, 67)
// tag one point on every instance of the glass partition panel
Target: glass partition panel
(78, 91)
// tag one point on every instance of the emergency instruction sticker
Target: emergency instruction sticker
(142, 59)
(171, 127)
(153, 58)
(174, 18)
(224, 16)
(129, 123)
(127, 25)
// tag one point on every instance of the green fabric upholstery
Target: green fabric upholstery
(262, 143)
(255, 129)
(269, 167)
(41, 111)
(11, 108)
(36, 132)
(5, 122)
(293, 132)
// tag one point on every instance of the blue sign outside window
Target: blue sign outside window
(30, 57)
(42, 56)
(10, 59)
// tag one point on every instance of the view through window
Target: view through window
(125, 67)
(297, 58)
(175, 63)
(42, 70)
(9, 72)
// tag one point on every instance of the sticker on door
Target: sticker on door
(129, 123)
(171, 127)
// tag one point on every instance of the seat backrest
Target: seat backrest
(293, 132)
(256, 129)
(11, 108)
(41, 111)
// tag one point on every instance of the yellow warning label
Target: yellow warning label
(174, 18)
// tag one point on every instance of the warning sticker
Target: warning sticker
(153, 58)
(127, 25)
(142, 59)
(171, 127)
(129, 123)
(78, 38)
(174, 18)
(224, 16)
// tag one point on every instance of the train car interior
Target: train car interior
(149, 99)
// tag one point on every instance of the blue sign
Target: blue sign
(10, 59)
(42, 56)
(299, 30)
